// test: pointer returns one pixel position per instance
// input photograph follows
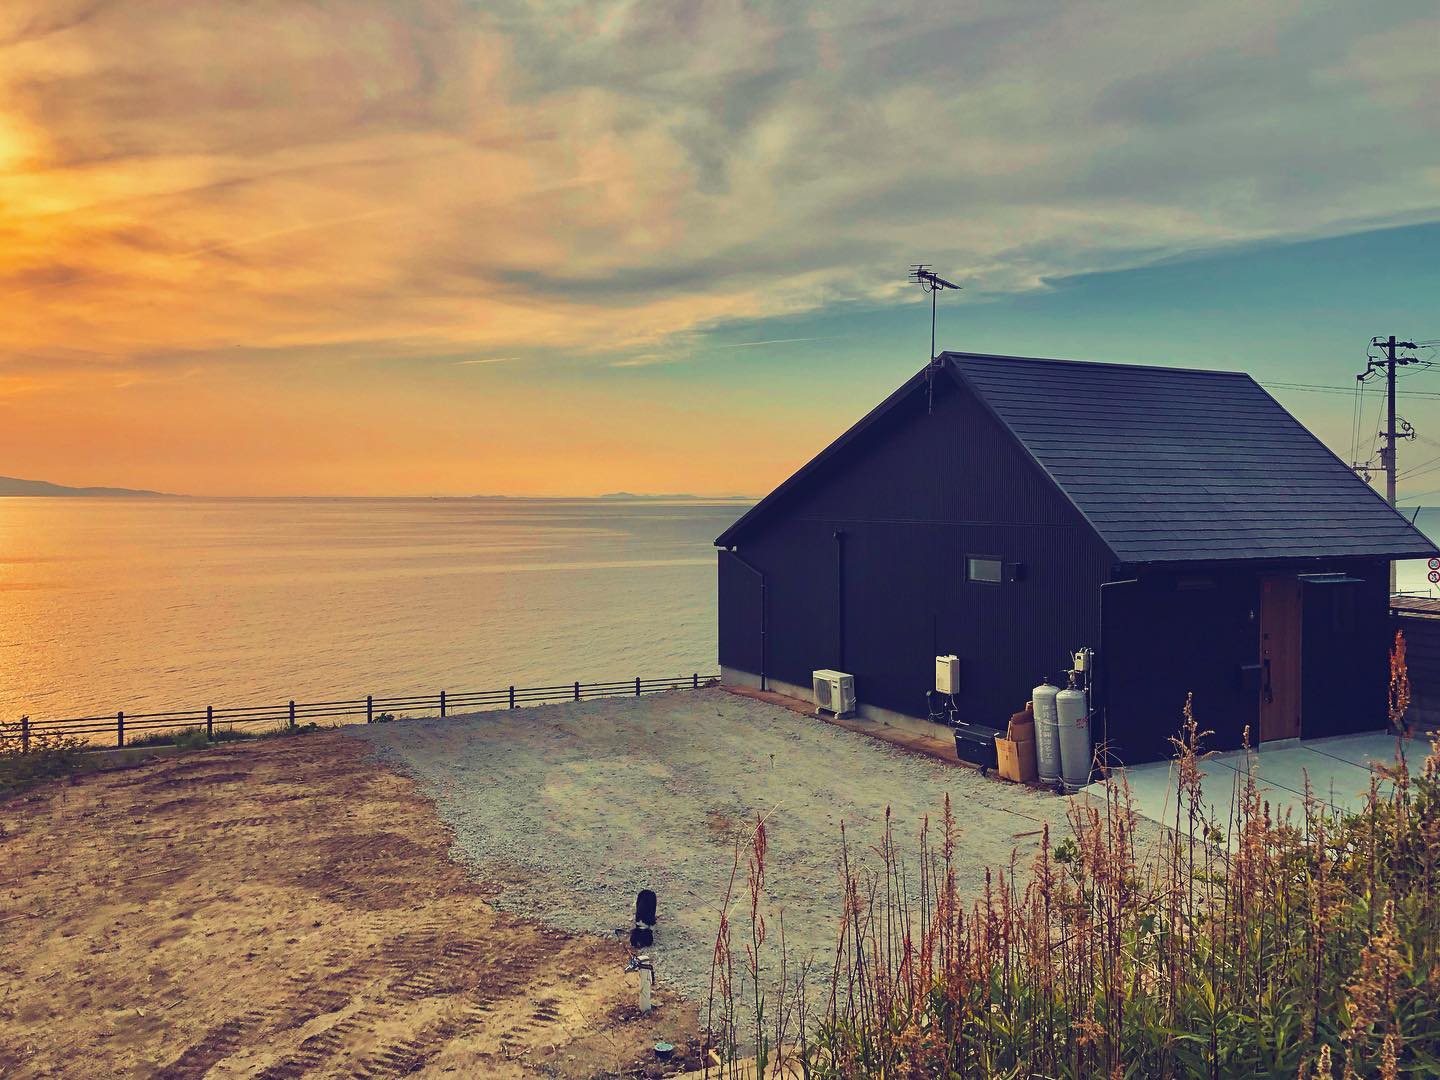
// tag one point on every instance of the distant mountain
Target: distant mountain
(10, 486)
(672, 498)
(614, 496)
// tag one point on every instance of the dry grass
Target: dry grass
(1245, 946)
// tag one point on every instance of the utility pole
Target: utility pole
(1387, 452)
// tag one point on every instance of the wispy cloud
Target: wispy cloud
(625, 176)
(486, 360)
(772, 341)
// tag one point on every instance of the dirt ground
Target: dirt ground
(284, 909)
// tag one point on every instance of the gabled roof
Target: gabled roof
(766, 506)
(1172, 464)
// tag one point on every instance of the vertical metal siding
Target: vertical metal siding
(1422, 654)
(1162, 643)
(742, 611)
(1345, 659)
(914, 496)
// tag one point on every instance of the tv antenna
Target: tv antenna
(931, 282)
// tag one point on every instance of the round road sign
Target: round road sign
(1434, 577)
(1435, 564)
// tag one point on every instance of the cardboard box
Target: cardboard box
(1015, 759)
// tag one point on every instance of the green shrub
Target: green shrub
(154, 738)
(191, 739)
(25, 761)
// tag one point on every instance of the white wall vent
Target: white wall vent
(834, 692)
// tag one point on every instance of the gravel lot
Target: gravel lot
(571, 809)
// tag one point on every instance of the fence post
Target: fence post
(24, 734)
(695, 681)
(512, 696)
(577, 691)
(442, 704)
(637, 685)
(209, 722)
(292, 712)
(369, 708)
(120, 729)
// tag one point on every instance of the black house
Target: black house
(1011, 511)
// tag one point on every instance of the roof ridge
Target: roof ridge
(952, 356)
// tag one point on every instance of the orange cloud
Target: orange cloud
(214, 214)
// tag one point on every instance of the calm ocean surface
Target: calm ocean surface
(135, 604)
(138, 604)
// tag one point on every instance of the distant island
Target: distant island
(613, 496)
(11, 486)
(673, 498)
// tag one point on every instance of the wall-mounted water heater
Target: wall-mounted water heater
(947, 674)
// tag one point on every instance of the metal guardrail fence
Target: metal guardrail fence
(293, 713)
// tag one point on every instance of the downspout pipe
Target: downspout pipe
(840, 599)
(764, 614)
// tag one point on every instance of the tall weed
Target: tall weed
(1252, 944)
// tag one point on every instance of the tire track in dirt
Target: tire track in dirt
(284, 909)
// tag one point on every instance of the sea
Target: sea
(150, 604)
(153, 604)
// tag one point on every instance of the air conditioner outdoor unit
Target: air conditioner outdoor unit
(834, 692)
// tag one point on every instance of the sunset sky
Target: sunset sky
(429, 247)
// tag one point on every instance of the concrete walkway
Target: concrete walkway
(1338, 770)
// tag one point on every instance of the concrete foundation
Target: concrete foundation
(914, 725)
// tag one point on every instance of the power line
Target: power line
(1421, 469)
(1328, 389)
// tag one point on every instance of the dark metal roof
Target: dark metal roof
(1167, 465)
(1180, 465)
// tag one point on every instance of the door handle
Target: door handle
(1269, 694)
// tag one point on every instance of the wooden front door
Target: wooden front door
(1279, 658)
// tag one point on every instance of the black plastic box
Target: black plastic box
(975, 743)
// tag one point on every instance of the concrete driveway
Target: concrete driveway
(1338, 770)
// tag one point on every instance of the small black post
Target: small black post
(292, 712)
(577, 691)
(120, 728)
(512, 696)
(209, 722)
(637, 685)
(695, 681)
(369, 708)
(24, 734)
(442, 704)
